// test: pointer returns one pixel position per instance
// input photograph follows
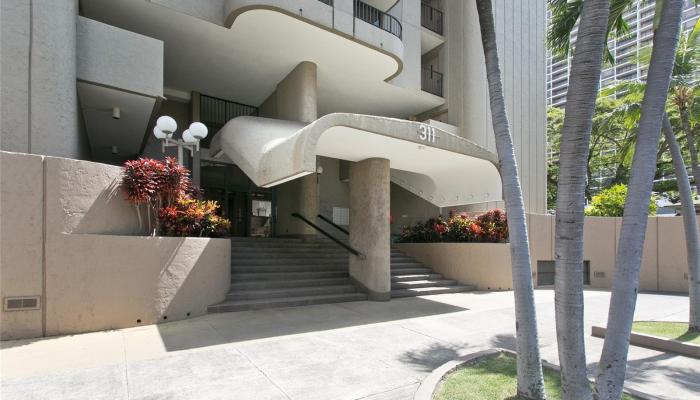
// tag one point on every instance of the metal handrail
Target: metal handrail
(336, 226)
(328, 2)
(431, 18)
(431, 81)
(377, 17)
(329, 236)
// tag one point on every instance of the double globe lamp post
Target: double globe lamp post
(165, 130)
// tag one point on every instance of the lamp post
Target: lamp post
(165, 129)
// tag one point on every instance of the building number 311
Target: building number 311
(427, 133)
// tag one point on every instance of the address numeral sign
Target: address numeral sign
(427, 133)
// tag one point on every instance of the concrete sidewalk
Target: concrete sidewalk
(361, 350)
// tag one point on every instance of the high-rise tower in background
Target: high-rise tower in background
(640, 18)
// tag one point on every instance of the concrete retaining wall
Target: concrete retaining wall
(487, 265)
(68, 236)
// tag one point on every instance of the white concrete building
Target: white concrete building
(357, 111)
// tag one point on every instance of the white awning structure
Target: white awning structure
(440, 167)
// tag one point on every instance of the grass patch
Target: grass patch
(493, 379)
(669, 330)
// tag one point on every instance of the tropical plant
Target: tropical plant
(488, 227)
(611, 202)
(192, 217)
(594, 17)
(529, 363)
(613, 362)
(165, 189)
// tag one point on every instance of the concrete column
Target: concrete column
(295, 99)
(369, 226)
(297, 94)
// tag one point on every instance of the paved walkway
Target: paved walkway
(362, 350)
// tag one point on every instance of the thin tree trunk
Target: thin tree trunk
(692, 149)
(690, 224)
(530, 381)
(613, 361)
(574, 153)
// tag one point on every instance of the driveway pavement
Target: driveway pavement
(361, 350)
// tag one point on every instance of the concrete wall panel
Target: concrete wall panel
(486, 265)
(21, 240)
(97, 282)
(62, 231)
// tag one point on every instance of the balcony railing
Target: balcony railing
(215, 113)
(431, 81)
(431, 18)
(378, 18)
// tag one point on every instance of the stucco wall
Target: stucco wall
(664, 263)
(39, 96)
(68, 236)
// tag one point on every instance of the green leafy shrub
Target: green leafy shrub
(611, 203)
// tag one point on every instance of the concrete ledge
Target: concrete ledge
(655, 343)
(431, 383)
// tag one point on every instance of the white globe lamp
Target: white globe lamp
(167, 125)
(187, 137)
(158, 133)
(198, 130)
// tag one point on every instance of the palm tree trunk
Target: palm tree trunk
(530, 381)
(692, 149)
(690, 224)
(573, 171)
(613, 361)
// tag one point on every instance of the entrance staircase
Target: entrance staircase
(286, 272)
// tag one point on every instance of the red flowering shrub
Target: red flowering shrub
(171, 199)
(491, 226)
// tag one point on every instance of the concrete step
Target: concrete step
(282, 245)
(285, 252)
(415, 277)
(425, 291)
(290, 261)
(246, 269)
(410, 271)
(289, 292)
(258, 304)
(423, 283)
(290, 255)
(274, 276)
(413, 264)
(287, 283)
(402, 258)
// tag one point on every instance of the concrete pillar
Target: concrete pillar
(369, 227)
(295, 99)
(297, 94)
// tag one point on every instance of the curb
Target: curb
(431, 383)
(655, 343)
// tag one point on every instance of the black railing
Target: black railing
(431, 18)
(329, 2)
(378, 18)
(333, 224)
(215, 113)
(328, 235)
(431, 81)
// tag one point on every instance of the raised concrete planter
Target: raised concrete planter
(655, 342)
(431, 384)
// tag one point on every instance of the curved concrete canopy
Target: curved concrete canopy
(442, 168)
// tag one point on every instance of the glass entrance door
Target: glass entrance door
(248, 207)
